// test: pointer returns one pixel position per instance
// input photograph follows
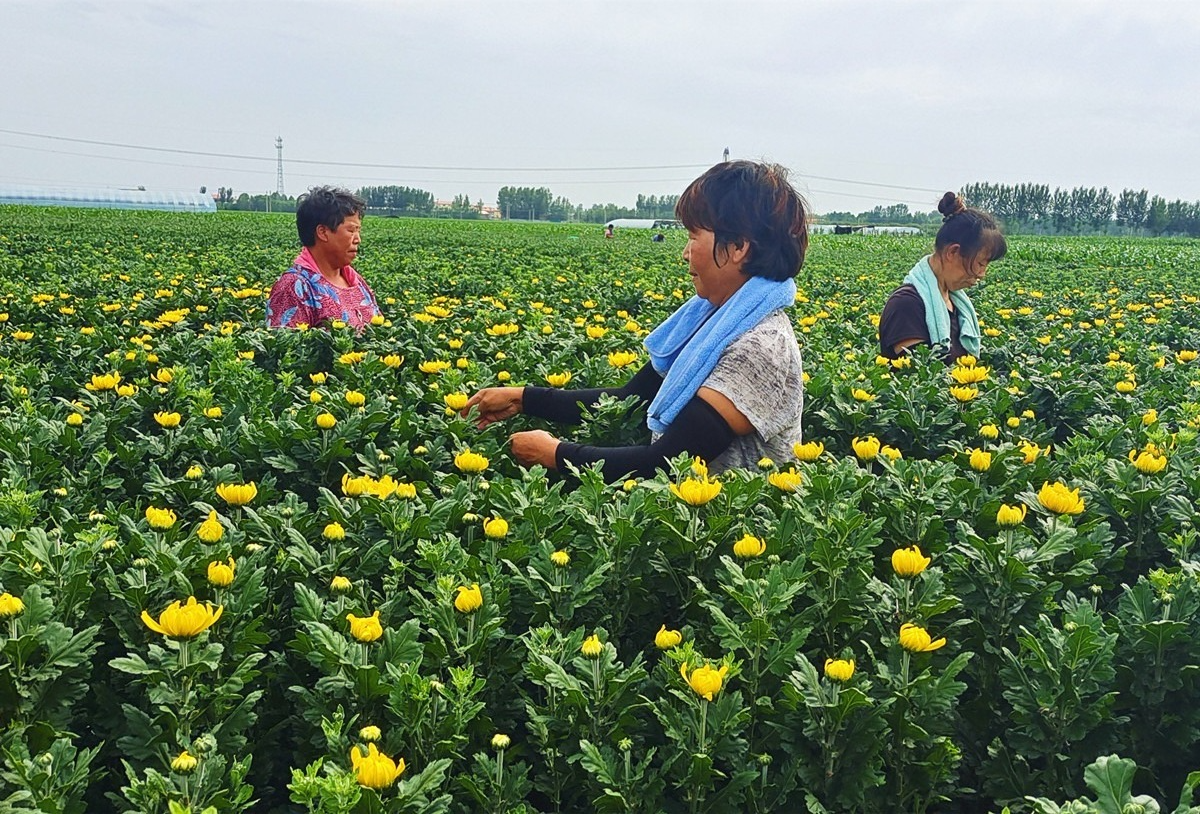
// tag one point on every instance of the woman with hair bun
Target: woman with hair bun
(932, 306)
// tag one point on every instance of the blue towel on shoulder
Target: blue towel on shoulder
(937, 317)
(685, 348)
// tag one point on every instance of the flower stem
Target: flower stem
(703, 724)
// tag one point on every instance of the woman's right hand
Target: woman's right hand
(494, 404)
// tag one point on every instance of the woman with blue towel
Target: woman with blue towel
(724, 380)
(932, 306)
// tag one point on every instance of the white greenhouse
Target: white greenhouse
(162, 200)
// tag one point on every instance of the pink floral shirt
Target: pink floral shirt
(302, 295)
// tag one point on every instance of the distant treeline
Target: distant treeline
(1022, 208)
(1084, 210)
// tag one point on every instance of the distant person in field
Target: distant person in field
(608, 230)
(932, 306)
(724, 380)
(322, 286)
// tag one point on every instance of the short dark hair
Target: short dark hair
(750, 202)
(973, 230)
(325, 206)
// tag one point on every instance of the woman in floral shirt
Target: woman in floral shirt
(322, 286)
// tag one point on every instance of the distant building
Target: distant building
(161, 200)
(644, 223)
(861, 229)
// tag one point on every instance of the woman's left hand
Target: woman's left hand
(534, 447)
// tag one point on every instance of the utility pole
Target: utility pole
(279, 165)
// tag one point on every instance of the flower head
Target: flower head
(1057, 498)
(1149, 461)
(185, 763)
(168, 421)
(470, 599)
(194, 472)
(334, 531)
(980, 460)
(495, 528)
(1008, 516)
(221, 574)
(862, 395)
(160, 519)
(749, 547)
(326, 421)
(340, 585)
(696, 492)
(501, 741)
(839, 670)
(561, 559)
(591, 647)
(909, 562)
(867, 449)
(472, 463)
(213, 412)
(969, 375)
(963, 394)
(374, 769)
(808, 451)
(558, 379)
(786, 481)
(105, 381)
(455, 401)
(355, 398)
(180, 621)
(10, 606)
(365, 628)
(990, 431)
(75, 420)
(917, 640)
(705, 680)
(237, 494)
(369, 734)
(1032, 451)
(621, 358)
(667, 639)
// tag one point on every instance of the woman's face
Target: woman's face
(341, 244)
(961, 272)
(716, 280)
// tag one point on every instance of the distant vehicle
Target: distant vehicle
(643, 223)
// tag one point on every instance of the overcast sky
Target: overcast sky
(602, 100)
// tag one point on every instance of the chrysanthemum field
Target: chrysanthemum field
(246, 570)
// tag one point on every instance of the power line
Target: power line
(363, 165)
(435, 168)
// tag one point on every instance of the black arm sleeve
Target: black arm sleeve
(562, 406)
(698, 430)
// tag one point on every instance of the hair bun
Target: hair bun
(950, 205)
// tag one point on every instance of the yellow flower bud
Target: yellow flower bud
(667, 639)
(591, 647)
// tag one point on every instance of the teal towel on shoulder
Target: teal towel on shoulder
(937, 316)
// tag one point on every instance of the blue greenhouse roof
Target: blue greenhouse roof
(164, 200)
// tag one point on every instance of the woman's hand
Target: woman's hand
(535, 447)
(495, 404)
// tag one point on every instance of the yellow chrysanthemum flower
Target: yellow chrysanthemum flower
(749, 547)
(211, 530)
(980, 460)
(469, 599)
(786, 481)
(909, 562)
(1149, 461)
(867, 449)
(237, 494)
(696, 492)
(366, 628)
(180, 621)
(160, 519)
(558, 379)
(808, 451)
(1057, 498)
(705, 680)
(221, 574)
(917, 639)
(472, 463)
(168, 420)
(839, 670)
(591, 647)
(667, 639)
(374, 769)
(1008, 516)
